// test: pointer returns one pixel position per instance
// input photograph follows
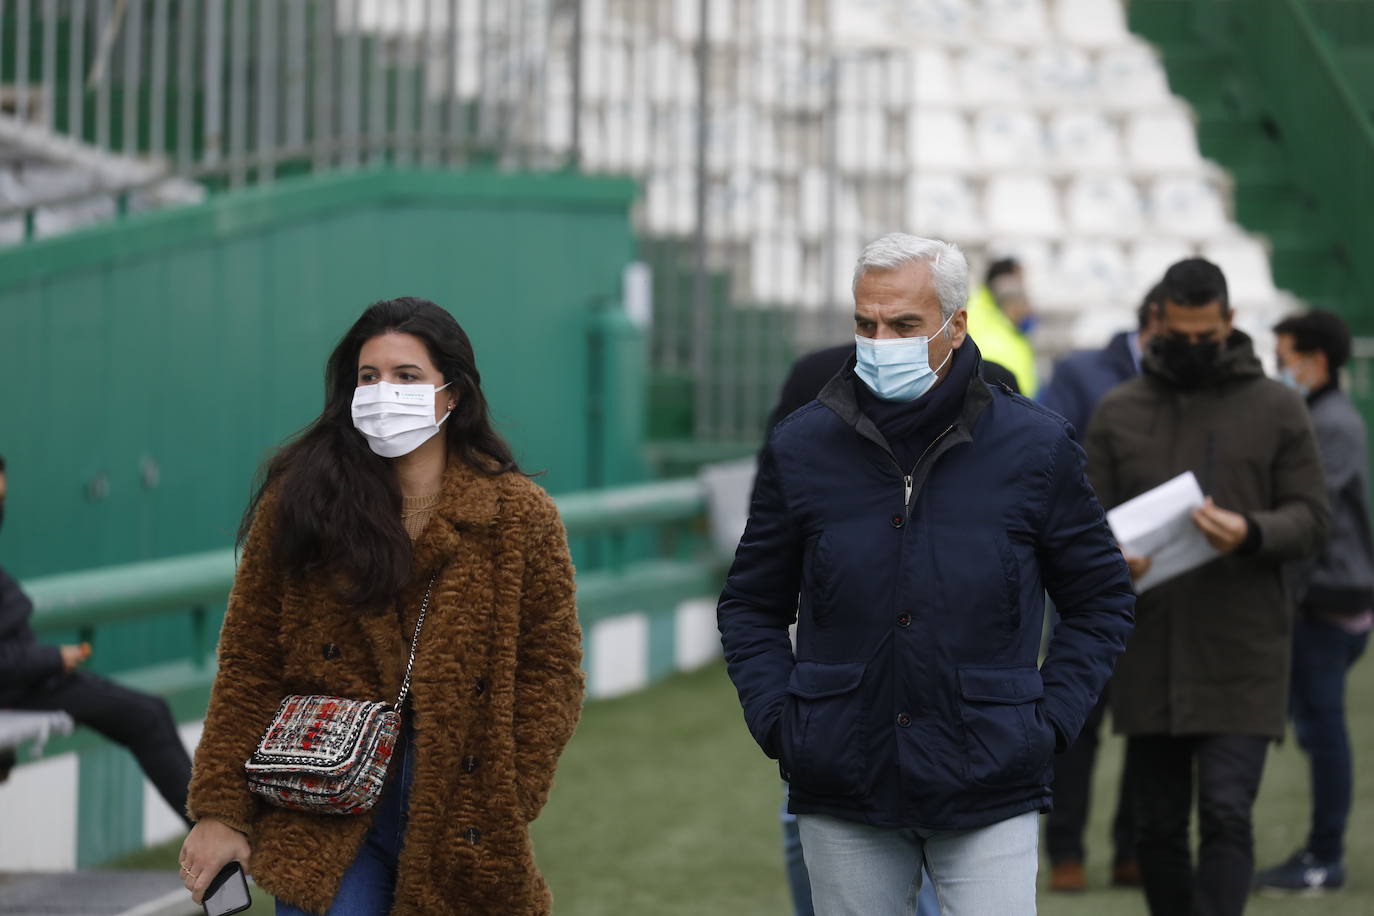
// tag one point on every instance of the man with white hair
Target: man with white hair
(920, 514)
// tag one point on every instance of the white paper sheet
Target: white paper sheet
(1159, 524)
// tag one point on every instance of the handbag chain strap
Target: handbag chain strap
(414, 643)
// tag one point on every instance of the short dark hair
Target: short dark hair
(2, 464)
(1319, 330)
(1147, 307)
(1001, 267)
(1195, 282)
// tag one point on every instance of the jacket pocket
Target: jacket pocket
(1007, 741)
(822, 733)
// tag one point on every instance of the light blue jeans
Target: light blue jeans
(800, 882)
(369, 884)
(858, 870)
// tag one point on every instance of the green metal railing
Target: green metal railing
(678, 565)
(1327, 131)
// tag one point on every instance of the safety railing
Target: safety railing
(632, 573)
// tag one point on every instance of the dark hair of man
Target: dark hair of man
(1195, 282)
(1153, 300)
(1319, 330)
(338, 504)
(2, 464)
(1001, 267)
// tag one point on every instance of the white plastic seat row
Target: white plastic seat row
(1124, 77)
(1187, 207)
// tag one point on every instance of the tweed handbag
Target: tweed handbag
(329, 755)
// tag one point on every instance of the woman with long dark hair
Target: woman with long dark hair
(400, 496)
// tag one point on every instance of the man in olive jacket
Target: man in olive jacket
(1204, 680)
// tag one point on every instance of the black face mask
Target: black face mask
(1190, 364)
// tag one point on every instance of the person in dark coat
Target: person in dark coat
(1204, 682)
(804, 382)
(1079, 382)
(1335, 599)
(34, 676)
(920, 515)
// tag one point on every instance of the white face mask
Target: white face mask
(396, 419)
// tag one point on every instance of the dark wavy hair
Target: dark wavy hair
(338, 505)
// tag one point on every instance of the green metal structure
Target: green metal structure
(1283, 91)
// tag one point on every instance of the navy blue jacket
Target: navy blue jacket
(1084, 376)
(913, 698)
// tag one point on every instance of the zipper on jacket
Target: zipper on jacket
(909, 480)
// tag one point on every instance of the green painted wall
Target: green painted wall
(194, 341)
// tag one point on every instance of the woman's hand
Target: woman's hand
(209, 847)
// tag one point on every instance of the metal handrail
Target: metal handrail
(97, 597)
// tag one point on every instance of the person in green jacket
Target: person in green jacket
(1000, 318)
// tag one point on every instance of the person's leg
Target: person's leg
(1123, 825)
(928, 901)
(1228, 775)
(1073, 780)
(858, 870)
(797, 878)
(1322, 656)
(1163, 798)
(369, 885)
(988, 870)
(139, 721)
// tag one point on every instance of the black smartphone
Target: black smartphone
(228, 893)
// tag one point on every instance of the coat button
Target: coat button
(331, 651)
(481, 686)
(470, 763)
(903, 620)
(903, 719)
(897, 521)
(473, 835)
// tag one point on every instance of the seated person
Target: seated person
(36, 676)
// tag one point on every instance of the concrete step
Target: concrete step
(94, 893)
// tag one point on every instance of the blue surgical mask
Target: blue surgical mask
(897, 368)
(1288, 378)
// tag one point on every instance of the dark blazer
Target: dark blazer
(810, 373)
(1210, 652)
(1084, 376)
(914, 698)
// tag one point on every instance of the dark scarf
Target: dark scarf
(910, 426)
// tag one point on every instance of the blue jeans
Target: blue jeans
(370, 882)
(1322, 656)
(859, 870)
(800, 882)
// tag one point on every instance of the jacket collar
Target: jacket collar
(469, 501)
(838, 395)
(1237, 361)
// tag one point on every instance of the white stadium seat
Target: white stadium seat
(1022, 205)
(991, 75)
(1091, 23)
(1082, 140)
(943, 206)
(1162, 141)
(1061, 74)
(775, 268)
(1189, 207)
(1246, 265)
(1017, 22)
(939, 139)
(1093, 272)
(1130, 77)
(932, 76)
(1009, 139)
(1104, 205)
(1151, 256)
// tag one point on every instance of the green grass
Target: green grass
(664, 806)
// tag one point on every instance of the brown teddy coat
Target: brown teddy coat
(495, 695)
